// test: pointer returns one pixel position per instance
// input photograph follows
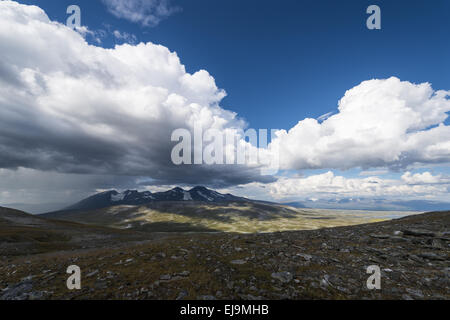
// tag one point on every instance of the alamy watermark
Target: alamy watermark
(374, 281)
(226, 147)
(74, 281)
(374, 21)
(74, 20)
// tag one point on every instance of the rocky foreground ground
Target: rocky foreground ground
(412, 253)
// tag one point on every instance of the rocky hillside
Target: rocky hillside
(25, 234)
(413, 254)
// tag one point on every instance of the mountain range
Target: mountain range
(135, 198)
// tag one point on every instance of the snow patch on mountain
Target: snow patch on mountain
(148, 195)
(118, 197)
(204, 196)
(187, 196)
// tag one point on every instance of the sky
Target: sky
(361, 113)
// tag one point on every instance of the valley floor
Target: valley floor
(412, 252)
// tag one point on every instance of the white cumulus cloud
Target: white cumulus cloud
(381, 123)
(424, 178)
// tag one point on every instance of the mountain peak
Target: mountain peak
(199, 188)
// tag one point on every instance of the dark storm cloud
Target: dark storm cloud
(69, 108)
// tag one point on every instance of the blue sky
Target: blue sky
(284, 61)
(280, 64)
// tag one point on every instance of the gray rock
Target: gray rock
(415, 293)
(436, 243)
(183, 294)
(165, 277)
(307, 257)
(92, 274)
(284, 277)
